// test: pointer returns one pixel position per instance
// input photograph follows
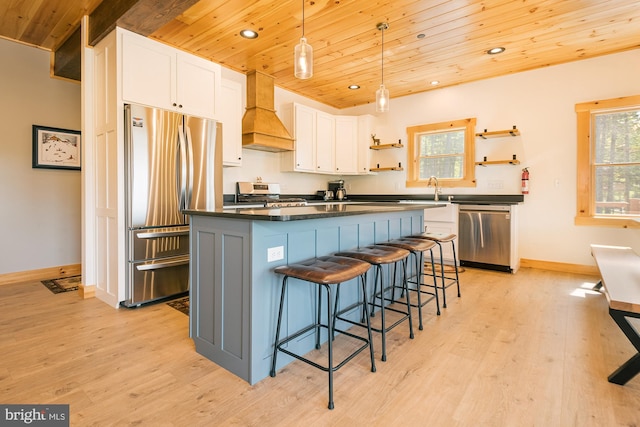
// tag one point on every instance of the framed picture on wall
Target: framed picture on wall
(55, 148)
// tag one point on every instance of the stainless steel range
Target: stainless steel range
(266, 194)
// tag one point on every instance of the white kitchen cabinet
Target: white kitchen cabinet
(160, 76)
(325, 143)
(365, 129)
(300, 121)
(346, 145)
(231, 118)
(443, 220)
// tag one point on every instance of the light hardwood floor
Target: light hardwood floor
(531, 349)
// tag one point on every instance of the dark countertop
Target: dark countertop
(312, 211)
(472, 199)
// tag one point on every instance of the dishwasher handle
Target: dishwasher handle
(485, 208)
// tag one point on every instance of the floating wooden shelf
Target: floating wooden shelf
(498, 162)
(393, 168)
(386, 146)
(498, 133)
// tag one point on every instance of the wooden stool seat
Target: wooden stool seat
(325, 272)
(378, 255)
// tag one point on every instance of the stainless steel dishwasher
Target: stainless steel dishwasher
(485, 236)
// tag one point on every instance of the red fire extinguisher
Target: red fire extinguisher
(525, 181)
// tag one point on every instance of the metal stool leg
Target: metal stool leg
(329, 343)
(275, 344)
(455, 264)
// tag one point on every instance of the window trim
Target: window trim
(585, 207)
(413, 170)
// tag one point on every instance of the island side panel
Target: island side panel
(220, 291)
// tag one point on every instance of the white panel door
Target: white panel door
(148, 72)
(231, 118)
(305, 130)
(325, 142)
(346, 145)
(197, 86)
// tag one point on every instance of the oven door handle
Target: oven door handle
(164, 264)
(158, 234)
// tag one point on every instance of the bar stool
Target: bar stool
(417, 248)
(377, 256)
(324, 271)
(440, 239)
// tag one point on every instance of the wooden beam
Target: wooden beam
(67, 58)
(140, 16)
(105, 17)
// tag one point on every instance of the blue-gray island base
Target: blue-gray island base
(234, 292)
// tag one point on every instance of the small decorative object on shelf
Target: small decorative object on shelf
(376, 141)
(499, 133)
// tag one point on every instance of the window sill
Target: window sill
(601, 221)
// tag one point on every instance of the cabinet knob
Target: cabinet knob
(175, 105)
(180, 106)
(239, 158)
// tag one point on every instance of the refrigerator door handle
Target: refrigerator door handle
(181, 167)
(190, 167)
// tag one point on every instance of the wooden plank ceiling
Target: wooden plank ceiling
(426, 40)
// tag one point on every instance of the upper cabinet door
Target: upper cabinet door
(325, 142)
(148, 72)
(304, 125)
(197, 86)
(160, 76)
(346, 146)
(231, 118)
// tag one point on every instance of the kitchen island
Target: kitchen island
(234, 293)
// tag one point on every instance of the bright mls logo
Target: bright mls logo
(34, 415)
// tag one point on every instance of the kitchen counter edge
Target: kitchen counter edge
(297, 213)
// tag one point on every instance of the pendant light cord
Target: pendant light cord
(382, 57)
(302, 18)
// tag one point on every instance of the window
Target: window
(609, 162)
(444, 150)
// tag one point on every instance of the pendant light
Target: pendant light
(303, 57)
(382, 94)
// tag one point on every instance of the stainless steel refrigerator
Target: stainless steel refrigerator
(173, 162)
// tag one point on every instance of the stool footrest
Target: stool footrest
(317, 365)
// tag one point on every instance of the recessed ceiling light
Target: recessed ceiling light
(495, 50)
(434, 82)
(420, 36)
(354, 87)
(249, 34)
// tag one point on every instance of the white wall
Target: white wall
(539, 102)
(40, 208)
(542, 105)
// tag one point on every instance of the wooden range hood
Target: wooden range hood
(261, 127)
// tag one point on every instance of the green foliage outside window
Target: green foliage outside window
(442, 154)
(616, 162)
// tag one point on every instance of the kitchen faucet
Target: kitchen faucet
(437, 190)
